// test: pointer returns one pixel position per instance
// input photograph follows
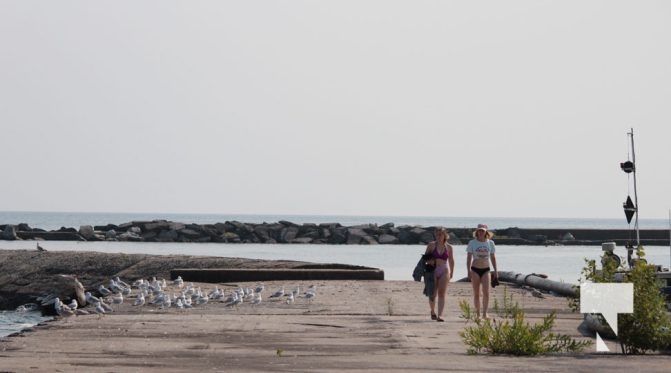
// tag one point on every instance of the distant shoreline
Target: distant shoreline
(286, 232)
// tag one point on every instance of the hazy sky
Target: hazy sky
(425, 108)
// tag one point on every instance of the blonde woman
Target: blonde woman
(479, 253)
(441, 254)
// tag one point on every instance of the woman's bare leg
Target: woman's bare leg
(485, 294)
(441, 289)
(475, 281)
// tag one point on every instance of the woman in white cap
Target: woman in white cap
(480, 252)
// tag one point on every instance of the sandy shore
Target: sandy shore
(348, 326)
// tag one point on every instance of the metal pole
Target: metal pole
(633, 159)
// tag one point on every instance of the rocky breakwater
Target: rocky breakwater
(232, 232)
(286, 232)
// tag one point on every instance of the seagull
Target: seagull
(139, 301)
(278, 293)
(90, 298)
(106, 307)
(40, 248)
(117, 299)
(104, 291)
(259, 288)
(158, 299)
(202, 299)
(190, 290)
(115, 287)
(311, 293)
(73, 305)
(62, 309)
(118, 281)
(99, 309)
(178, 281)
(235, 300)
(213, 292)
(167, 302)
(66, 311)
(257, 299)
(217, 294)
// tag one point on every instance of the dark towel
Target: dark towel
(429, 284)
(495, 281)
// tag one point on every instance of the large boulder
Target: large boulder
(110, 234)
(388, 239)
(338, 236)
(313, 234)
(355, 236)
(154, 226)
(424, 236)
(130, 235)
(87, 232)
(288, 234)
(568, 236)
(231, 237)
(176, 226)
(65, 287)
(369, 240)
(262, 233)
(9, 233)
(189, 234)
(245, 231)
(405, 237)
(453, 239)
(167, 235)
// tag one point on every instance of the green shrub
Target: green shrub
(508, 333)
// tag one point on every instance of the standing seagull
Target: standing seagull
(40, 248)
(139, 301)
(278, 293)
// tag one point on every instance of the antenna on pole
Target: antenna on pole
(633, 159)
(631, 207)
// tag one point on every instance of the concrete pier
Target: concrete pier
(215, 275)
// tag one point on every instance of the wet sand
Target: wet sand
(349, 326)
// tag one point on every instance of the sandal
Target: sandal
(439, 319)
(433, 316)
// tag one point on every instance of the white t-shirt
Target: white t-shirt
(481, 250)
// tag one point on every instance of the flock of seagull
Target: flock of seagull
(162, 294)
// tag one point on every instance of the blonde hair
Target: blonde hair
(488, 234)
(441, 229)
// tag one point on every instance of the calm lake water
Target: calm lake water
(561, 263)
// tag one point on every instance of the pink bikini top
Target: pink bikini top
(436, 255)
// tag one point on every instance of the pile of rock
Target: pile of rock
(234, 232)
(325, 233)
